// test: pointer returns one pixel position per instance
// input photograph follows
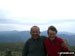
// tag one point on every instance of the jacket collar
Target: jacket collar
(35, 39)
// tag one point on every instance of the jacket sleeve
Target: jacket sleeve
(25, 49)
(64, 48)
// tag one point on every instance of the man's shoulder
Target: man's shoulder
(28, 40)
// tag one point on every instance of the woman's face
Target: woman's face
(51, 35)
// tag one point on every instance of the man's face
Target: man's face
(51, 35)
(35, 32)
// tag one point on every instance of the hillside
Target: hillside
(22, 36)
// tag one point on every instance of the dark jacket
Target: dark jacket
(34, 47)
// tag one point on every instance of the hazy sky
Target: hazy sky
(21, 15)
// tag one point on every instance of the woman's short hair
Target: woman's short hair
(52, 28)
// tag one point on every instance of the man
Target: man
(35, 45)
(54, 45)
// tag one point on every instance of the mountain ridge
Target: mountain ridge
(22, 36)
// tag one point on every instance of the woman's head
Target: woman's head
(52, 31)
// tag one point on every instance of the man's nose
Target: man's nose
(52, 35)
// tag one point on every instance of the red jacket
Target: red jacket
(53, 48)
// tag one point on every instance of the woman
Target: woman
(54, 44)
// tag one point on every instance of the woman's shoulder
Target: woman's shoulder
(61, 40)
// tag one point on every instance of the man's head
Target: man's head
(35, 32)
(52, 31)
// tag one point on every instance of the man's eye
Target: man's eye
(34, 31)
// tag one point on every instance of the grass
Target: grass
(16, 49)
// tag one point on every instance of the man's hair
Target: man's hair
(51, 28)
(35, 26)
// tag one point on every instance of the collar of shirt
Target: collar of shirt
(35, 39)
(53, 40)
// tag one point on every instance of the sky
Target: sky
(21, 15)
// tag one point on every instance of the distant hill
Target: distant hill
(22, 36)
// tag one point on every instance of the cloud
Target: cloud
(8, 21)
(60, 21)
(11, 27)
(22, 14)
(65, 27)
(40, 8)
(21, 21)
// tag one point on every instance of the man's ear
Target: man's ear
(39, 32)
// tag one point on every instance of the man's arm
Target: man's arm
(25, 49)
(43, 37)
